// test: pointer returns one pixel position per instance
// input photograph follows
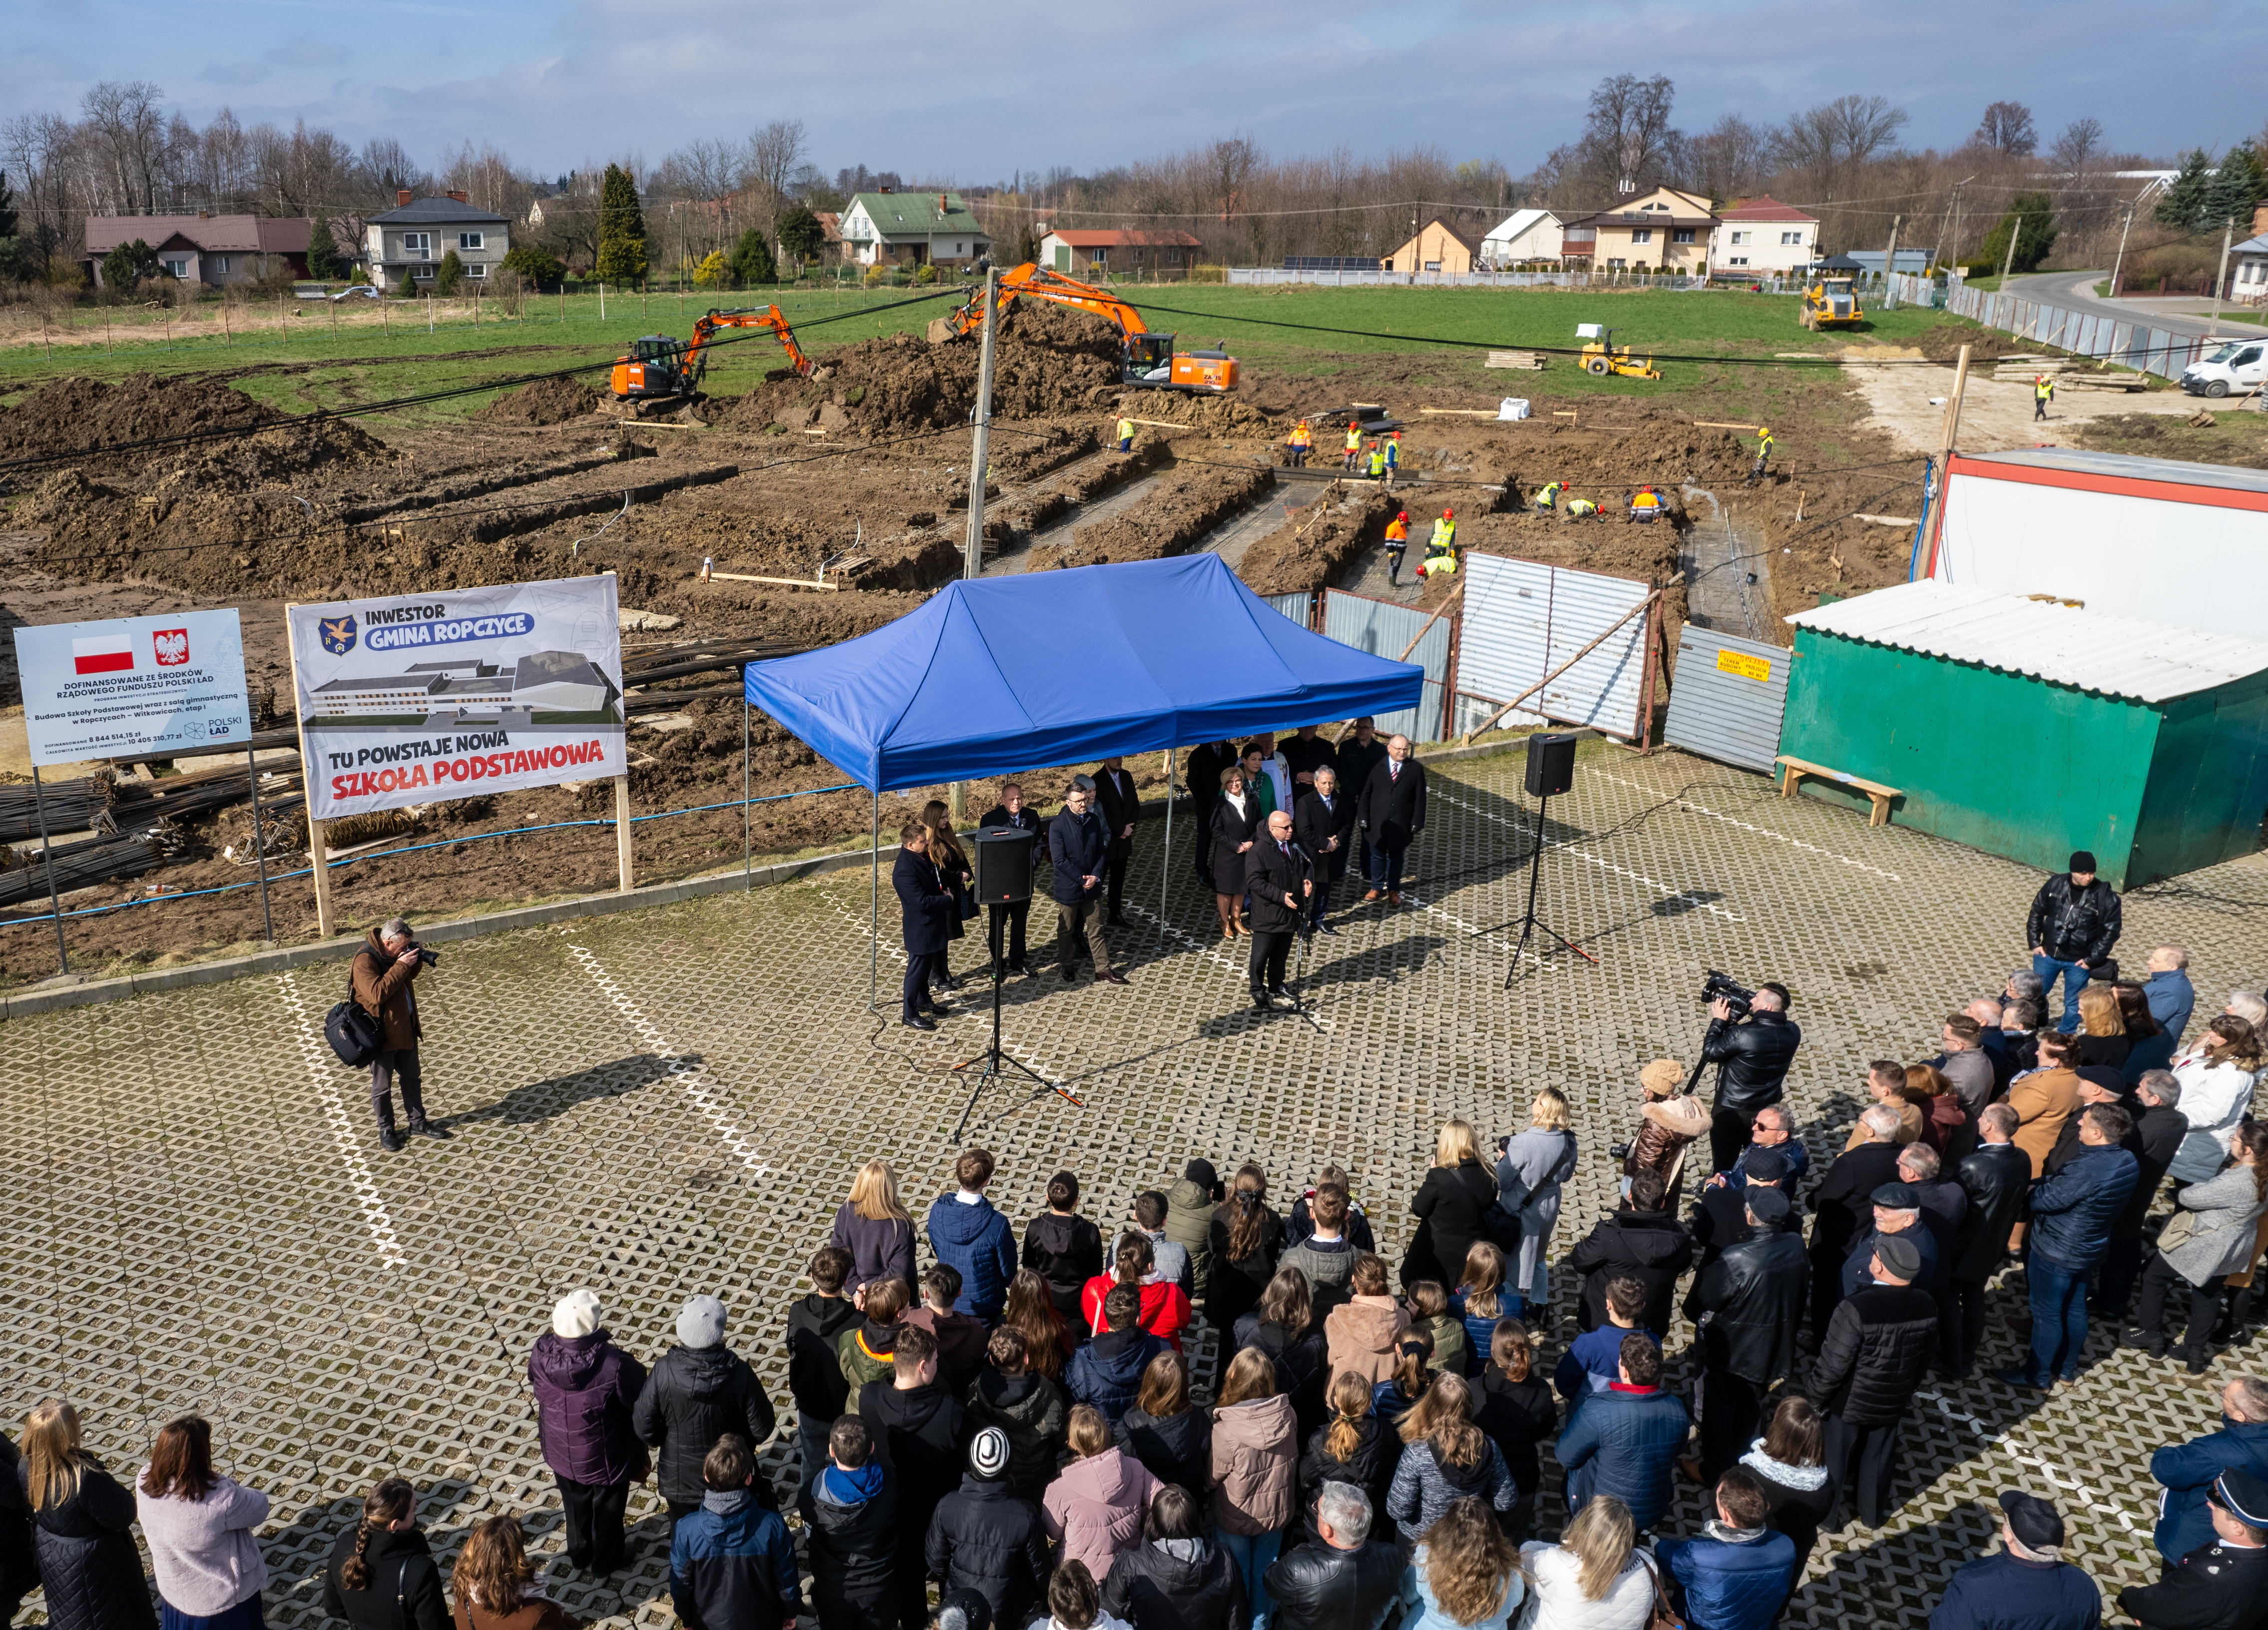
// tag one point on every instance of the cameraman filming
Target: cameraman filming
(383, 969)
(1752, 1057)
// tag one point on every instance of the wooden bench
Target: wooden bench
(1793, 770)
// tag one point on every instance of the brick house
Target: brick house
(216, 250)
(1097, 253)
(412, 237)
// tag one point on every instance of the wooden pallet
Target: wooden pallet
(1515, 359)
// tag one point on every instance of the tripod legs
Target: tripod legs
(1530, 922)
(997, 1064)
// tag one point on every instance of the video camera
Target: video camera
(1720, 988)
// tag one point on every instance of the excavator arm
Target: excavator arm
(1149, 357)
(696, 366)
(1042, 283)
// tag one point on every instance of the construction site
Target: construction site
(826, 501)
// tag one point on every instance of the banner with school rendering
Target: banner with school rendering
(422, 698)
(150, 687)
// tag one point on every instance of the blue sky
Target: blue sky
(971, 94)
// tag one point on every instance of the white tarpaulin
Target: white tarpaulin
(416, 698)
(133, 686)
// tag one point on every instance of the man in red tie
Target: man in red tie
(1392, 806)
(1277, 873)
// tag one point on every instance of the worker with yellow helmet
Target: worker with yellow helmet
(1441, 548)
(1764, 454)
(1397, 541)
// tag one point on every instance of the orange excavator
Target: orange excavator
(1150, 358)
(661, 368)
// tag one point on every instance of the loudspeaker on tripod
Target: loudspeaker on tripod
(1002, 861)
(1551, 764)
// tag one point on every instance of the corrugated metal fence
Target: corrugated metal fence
(1385, 629)
(1728, 699)
(2137, 346)
(1523, 620)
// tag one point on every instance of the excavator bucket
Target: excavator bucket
(940, 330)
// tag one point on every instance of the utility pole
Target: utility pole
(2213, 325)
(979, 458)
(1945, 458)
(1890, 265)
(2119, 265)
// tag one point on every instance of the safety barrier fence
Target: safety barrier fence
(2137, 346)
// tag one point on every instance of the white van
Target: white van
(2237, 367)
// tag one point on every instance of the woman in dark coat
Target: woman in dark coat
(956, 877)
(1790, 1461)
(586, 1387)
(1236, 820)
(20, 1561)
(382, 1574)
(1246, 1237)
(82, 1530)
(928, 909)
(1452, 1206)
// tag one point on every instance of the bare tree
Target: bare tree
(2007, 128)
(1729, 160)
(773, 153)
(1628, 128)
(125, 120)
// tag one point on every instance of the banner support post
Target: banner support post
(622, 832)
(318, 847)
(260, 840)
(47, 853)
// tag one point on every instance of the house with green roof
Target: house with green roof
(910, 229)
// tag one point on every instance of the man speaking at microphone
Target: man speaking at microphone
(1276, 873)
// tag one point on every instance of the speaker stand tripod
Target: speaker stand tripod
(997, 1064)
(1530, 923)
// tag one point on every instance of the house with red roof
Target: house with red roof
(1141, 253)
(1764, 237)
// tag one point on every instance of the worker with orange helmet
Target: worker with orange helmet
(1301, 440)
(1441, 548)
(1644, 505)
(1397, 541)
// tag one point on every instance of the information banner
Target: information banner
(133, 686)
(422, 698)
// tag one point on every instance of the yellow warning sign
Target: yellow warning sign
(1748, 667)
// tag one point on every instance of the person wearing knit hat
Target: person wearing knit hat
(699, 1390)
(2073, 927)
(585, 1390)
(1668, 1122)
(1877, 1345)
(984, 1540)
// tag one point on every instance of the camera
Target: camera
(428, 957)
(1720, 988)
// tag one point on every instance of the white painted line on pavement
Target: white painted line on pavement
(1762, 832)
(705, 1095)
(1669, 890)
(1031, 1060)
(2009, 1445)
(322, 1064)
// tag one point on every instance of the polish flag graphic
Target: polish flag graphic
(105, 653)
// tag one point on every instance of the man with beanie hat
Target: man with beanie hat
(699, 1390)
(2073, 925)
(984, 1540)
(585, 1388)
(2217, 1586)
(1189, 1218)
(1747, 1303)
(1871, 1359)
(2025, 1583)
(1897, 1215)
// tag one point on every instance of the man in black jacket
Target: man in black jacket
(1870, 1364)
(1751, 1297)
(2217, 1586)
(926, 908)
(983, 1538)
(1324, 825)
(920, 1433)
(1359, 755)
(1079, 849)
(1206, 765)
(1995, 1176)
(1843, 1207)
(697, 1393)
(2073, 925)
(2159, 1128)
(1122, 808)
(1276, 874)
(1393, 807)
(815, 1367)
(1642, 1240)
(1720, 1216)
(1008, 922)
(851, 1529)
(1349, 1581)
(1303, 755)
(1752, 1058)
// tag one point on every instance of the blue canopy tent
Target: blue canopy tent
(993, 676)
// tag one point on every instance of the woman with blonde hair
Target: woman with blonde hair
(2102, 1037)
(200, 1529)
(1527, 1180)
(1255, 1471)
(1944, 1121)
(1445, 1458)
(495, 1585)
(1594, 1579)
(1452, 1208)
(1465, 1573)
(381, 1574)
(82, 1527)
(874, 1227)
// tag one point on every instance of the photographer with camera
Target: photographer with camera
(382, 974)
(1752, 1042)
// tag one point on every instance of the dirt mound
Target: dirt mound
(1062, 328)
(546, 401)
(898, 384)
(76, 417)
(1316, 546)
(1221, 415)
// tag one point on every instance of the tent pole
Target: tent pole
(875, 913)
(747, 848)
(1166, 865)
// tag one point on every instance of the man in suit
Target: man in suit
(1394, 809)
(1010, 920)
(1303, 755)
(1122, 807)
(1077, 845)
(927, 909)
(1206, 765)
(1277, 875)
(1323, 824)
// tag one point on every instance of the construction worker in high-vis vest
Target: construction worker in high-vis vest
(1397, 541)
(1441, 548)
(1393, 458)
(2042, 392)
(1377, 462)
(1125, 433)
(1764, 454)
(1646, 506)
(1547, 496)
(1580, 509)
(1353, 445)
(1302, 440)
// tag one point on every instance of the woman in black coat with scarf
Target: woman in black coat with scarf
(82, 1527)
(928, 908)
(1236, 822)
(1453, 1208)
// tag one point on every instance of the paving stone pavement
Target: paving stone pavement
(669, 1103)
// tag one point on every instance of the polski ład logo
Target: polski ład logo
(337, 635)
(172, 647)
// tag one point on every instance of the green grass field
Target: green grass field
(324, 357)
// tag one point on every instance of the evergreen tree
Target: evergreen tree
(324, 260)
(800, 234)
(538, 266)
(2031, 219)
(2186, 203)
(124, 268)
(621, 229)
(751, 259)
(7, 207)
(448, 274)
(2239, 183)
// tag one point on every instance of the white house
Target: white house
(1761, 237)
(411, 239)
(2247, 271)
(1523, 235)
(910, 229)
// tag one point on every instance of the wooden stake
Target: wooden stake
(1945, 454)
(1564, 666)
(621, 831)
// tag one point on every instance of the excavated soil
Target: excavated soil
(1173, 519)
(76, 417)
(1315, 546)
(546, 401)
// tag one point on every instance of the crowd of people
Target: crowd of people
(1011, 1414)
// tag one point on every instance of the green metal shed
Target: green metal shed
(2029, 728)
